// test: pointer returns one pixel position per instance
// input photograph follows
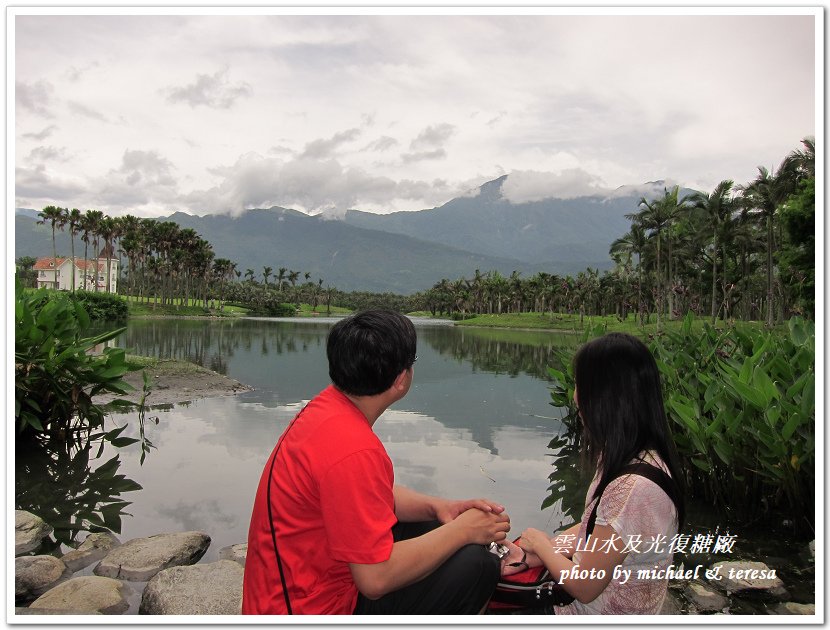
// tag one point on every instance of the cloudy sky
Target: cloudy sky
(149, 114)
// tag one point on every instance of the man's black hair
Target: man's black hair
(368, 350)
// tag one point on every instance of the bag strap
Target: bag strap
(650, 472)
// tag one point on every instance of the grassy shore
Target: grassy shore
(196, 308)
(567, 323)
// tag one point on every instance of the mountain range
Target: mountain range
(403, 252)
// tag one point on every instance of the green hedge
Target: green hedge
(102, 306)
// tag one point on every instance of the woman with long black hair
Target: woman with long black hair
(634, 506)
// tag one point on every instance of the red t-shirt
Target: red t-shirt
(332, 504)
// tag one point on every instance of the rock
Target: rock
(29, 531)
(237, 553)
(141, 558)
(48, 611)
(704, 599)
(201, 589)
(95, 547)
(86, 594)
(812, 547)
(749, 578)
(670, 605)
(34, 575)
(793, 608)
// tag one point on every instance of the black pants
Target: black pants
(460, 586)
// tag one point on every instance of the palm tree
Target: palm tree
(224, 271)
(280, 277)
(718, 207)
(633, 242)
(73, 220)
(109, 230)
(658, 216)
(92, 226)
(766, 193)
(56, 217)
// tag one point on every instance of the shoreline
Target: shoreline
(174, 381)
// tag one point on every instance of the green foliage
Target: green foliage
(24, 267)
(56, 373)
(102, 306)
(796, 257)
(742, 405)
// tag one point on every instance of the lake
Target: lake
(476, 421)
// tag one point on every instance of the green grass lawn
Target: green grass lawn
(572, 323)
(178, 307)
(321, 311)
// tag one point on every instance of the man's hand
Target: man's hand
(481, 527)
(447, 510)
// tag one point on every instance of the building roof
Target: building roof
(80, 263)
(46, 263)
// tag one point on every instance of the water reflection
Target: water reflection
(476, 422)
(73, 487)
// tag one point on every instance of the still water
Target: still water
(476, 422)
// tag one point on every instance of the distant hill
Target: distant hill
(344, 256)
(562, 232)
(404, 252)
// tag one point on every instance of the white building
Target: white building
(56, 273)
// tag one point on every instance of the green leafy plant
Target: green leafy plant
(742, 404)
(57, 371)
(102, 306)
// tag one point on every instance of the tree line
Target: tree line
(738, 252)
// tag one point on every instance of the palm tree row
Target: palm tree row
(714, 253)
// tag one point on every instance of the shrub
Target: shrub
(56, 376)
(102, 306)
(741, 403)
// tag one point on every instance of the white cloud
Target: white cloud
(527, 186)
(210, 90)
(35, 97)
(378, 115)
(323, 148)
(433, 136)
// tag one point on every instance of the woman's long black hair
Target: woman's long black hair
(620, 402)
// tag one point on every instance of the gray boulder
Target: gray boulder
(704, 599)
(237, 553)
(34, 575)
(141, 558)
(94, 548)
(670, 605)
(20, 610)
(749, 578)
(201, 589)
(793, 608)
(86, 594)
(29, 531)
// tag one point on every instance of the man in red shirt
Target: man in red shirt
(330, 531)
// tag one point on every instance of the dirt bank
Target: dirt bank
(174, 381)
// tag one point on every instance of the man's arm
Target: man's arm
(412, 560)
(411, 506)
